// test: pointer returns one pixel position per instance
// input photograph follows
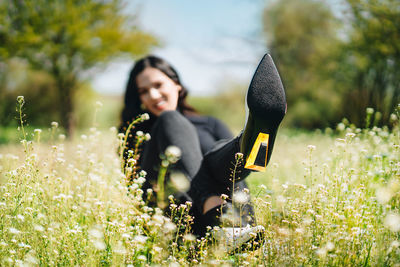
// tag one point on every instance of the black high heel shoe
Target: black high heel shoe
(266, 103)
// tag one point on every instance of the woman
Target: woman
(207, 147)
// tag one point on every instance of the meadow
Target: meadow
(328, 198)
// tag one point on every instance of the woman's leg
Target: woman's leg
(215, 175)
(172, 129)
(267, 106)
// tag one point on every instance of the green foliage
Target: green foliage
(301, 37)
(40, 93)
(333, 70)
(64, 38)
(37, 87)
(325, 200)
(371, 59)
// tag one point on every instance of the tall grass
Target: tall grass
(326, 199)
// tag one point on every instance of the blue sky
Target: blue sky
(208, 42)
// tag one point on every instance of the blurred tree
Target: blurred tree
(38, 88)
(302, 39)
(67, 37)
(371, 59)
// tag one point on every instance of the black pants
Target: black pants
(210, 175)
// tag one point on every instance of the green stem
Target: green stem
(123, 145)
(160, 186)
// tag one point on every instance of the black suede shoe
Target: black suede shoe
(266, 104)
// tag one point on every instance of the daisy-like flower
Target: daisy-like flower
(173, 154)
(145, 116)
(392, 221)
(241, 198)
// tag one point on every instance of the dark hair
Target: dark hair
(132, 104)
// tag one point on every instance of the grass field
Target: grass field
(327, 199)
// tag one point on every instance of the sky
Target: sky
(209, 42)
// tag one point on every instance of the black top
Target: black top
(210, 130)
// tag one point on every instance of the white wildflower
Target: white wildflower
(99, 104)
(158, 218)
(126, 235)
(173, 153)
(145, 116)
(280, 199)
(179, 181)
(96, 232)
(38, 228)
(157, 249)
(224, 196)
(31, 259)
(241, 198)
(13, 231)
(311, 147)
(330, 246)
(392, 221)
(140, 239)
(169, 227)
(142, 258)
(189, 237)
(20, 99)
(140, 180)
(94, 177)
(238, 156)
(383, 195)
(131, 161)
(99, 244)
(321, 252)
(395, 244)
(119, 248)
(341, 126)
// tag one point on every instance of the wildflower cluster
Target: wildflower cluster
(344, 210)
(335, 202)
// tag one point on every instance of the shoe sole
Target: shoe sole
(266, 102)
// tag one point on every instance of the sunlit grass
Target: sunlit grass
(325, 200)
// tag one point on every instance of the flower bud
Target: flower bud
(173, 153)
(21, 99)
(145, 116)
(238, 156)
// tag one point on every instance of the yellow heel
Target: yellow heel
(257, 159)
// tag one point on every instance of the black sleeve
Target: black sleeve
(220, 130)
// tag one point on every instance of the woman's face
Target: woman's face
(157, 91)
